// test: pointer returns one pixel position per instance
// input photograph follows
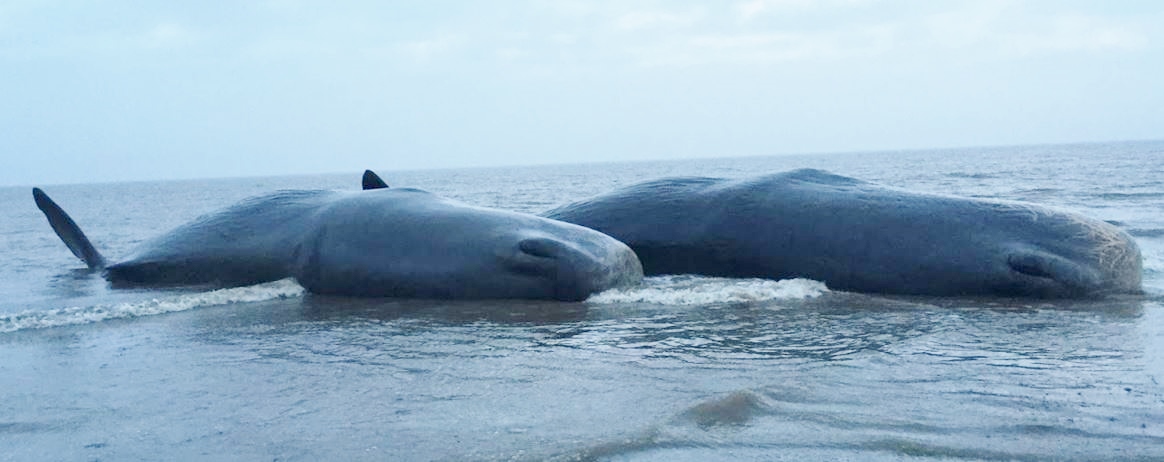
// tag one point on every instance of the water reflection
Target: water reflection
(833, 327)
(322, 308)
(823, 329)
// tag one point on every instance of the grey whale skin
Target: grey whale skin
(859, 236)
(377, 243)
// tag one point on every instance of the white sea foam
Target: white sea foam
(90, 314)
(695, 290)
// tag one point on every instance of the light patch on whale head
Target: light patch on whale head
(1113, 249)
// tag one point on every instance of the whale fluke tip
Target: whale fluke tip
(68, 230)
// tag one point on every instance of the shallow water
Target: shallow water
(683, 368)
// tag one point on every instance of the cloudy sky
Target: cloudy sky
(128, 90)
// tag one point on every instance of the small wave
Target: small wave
(1146, 232)
(1130, 196)
(695, 290)
(33, 319)
(973, 176)
(1038, 191)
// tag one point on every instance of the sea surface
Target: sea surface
(682, 368)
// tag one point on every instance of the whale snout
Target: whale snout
(575, 270)
(1083, 267)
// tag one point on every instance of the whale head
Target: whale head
(1062, 254)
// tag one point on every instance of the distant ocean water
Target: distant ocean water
(682, 368)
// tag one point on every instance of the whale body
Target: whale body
(859, 236)
(383, 242)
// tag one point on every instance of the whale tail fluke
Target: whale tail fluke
(373, 181)
(68, 231)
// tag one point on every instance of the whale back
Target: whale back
(247, 243)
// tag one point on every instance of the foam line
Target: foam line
(90, 314)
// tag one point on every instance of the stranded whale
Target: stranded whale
(859, 236)
(381, 242)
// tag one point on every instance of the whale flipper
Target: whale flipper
(68, 231)
(373, 181)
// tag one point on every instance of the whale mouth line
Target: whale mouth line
(531, 268)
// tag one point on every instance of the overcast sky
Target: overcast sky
(128, 90)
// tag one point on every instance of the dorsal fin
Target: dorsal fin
(68, 230)
(373, 181)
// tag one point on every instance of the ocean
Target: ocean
(680, 368)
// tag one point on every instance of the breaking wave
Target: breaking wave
(698, 290)
(40, 319)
